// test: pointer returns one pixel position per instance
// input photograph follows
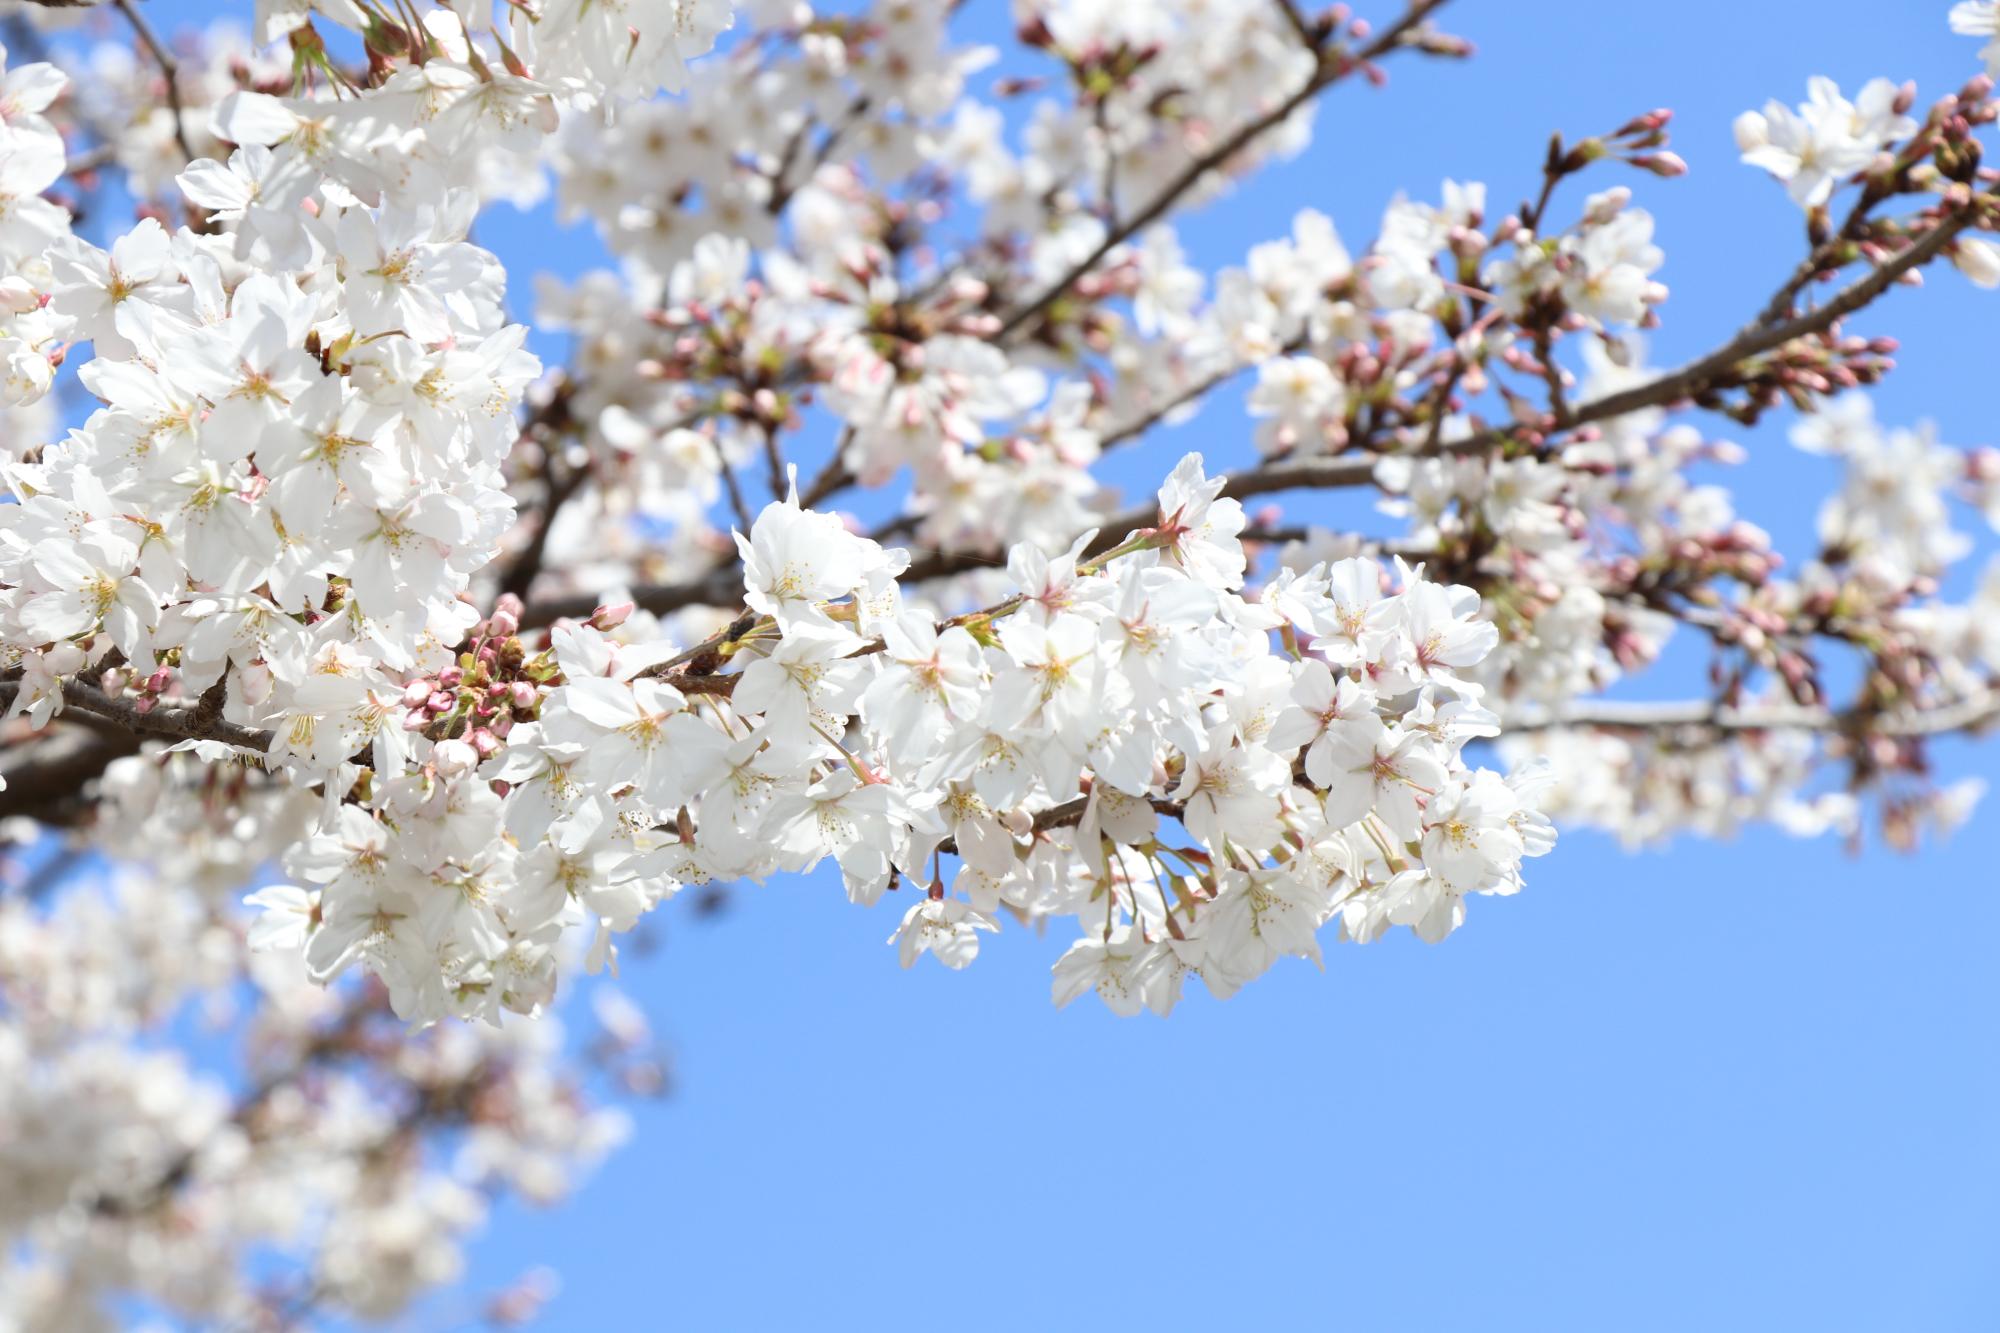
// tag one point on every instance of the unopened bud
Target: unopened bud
(1958, 159)
(1666, 165)
(611, 616)
(1653, 120)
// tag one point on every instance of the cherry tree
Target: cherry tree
(366, 679)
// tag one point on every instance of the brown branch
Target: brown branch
(1358, 469)
(1970, 715)
(548, 425)
(1070, 813)
(737, 504)
(168, 66)
(521, 574)
(1300, 24)
(724, 587)
(166, 721)
(46, 777)
(1138, 426)
(1757, 338)
(833, 478)
(1334, 65)
(774, 460)
(783, 187)
(720, 587)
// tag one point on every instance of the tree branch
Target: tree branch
(520, 575)
(1300, 24)
(45, 777)
(166, 721)
(1970, 715)
(1334, 66)
(724, 587)
(1358, 469)
(168, 66)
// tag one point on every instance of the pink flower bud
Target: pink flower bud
(611, 615)
(1667, 164)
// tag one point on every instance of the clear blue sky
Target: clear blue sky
(1720, 1086)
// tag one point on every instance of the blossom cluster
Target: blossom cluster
(160, 1172)
(1307, 742)
(32, 159)
(462, 666)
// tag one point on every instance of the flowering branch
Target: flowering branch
(1333, 65)
(1971, 716)
(325, 578)
(170, 69)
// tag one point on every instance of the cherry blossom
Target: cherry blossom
(375, 682)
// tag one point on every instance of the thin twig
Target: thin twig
(1332, 68)
(723, 587)
(168, 66)
(520, 575)
(730, 484)
(1300, 24)
(168, 721)
(1704, 715)
(774, 460)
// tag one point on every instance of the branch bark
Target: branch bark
(168, 67)
(179, 722)
(724, 587)
(1970, 715)
(1334, 65)
(45, 777)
